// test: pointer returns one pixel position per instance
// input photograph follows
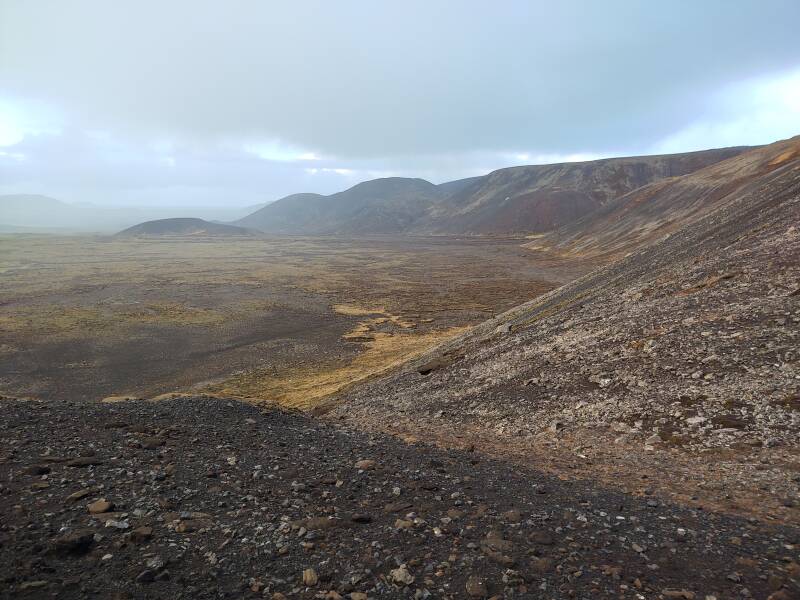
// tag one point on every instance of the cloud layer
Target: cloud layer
(255, 100)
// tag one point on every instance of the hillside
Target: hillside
(658, 209)
(676, 363)
(533, 199)
(389, 205)
(525, 199)
(183, 226)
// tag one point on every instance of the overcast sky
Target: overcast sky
(239, 102)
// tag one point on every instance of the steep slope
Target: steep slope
(658, 209)
(528, 199)
(389, 205)
(183, 226)
(533, 199)
(678, 362)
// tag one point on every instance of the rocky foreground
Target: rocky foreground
(206, 498)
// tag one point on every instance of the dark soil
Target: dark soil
(211, 498)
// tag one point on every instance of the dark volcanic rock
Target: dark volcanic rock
(75, 542)
(270, 526)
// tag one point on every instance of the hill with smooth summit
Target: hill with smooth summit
(183, 226)
(389, 205)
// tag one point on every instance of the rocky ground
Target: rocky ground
(678, 364)
(207, 498)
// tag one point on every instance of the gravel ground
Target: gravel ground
(209, 498)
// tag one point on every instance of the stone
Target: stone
(680, 594)
(192, 525)
(542, 538)
(100, 506)
(151, 443)
(146, 576)
(365, 465)
(361, 518)
(476, 587)
(79, 495)
(33, 585)
(513, 516)
(316, 523)
(397, 507)
(782, 595)
(38, 470)
(310, 577)
(76, 542)
(401, 576)
(84, 461)
(542, 565)
(793, 569)
(494, 540)
(140, 535)
(434, 365)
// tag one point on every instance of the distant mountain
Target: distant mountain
(37, 213)
(389, 205)
(517, 200)
(29, 210)
(183, 226)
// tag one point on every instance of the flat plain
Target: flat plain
(285, 319)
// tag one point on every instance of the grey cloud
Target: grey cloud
(364, 79)
(434, 88)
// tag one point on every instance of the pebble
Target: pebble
(401, 575)
(309, 577)
(100, 506)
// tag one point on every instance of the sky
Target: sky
(193, 102)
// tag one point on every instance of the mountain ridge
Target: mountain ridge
(513, 200)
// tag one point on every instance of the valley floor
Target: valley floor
(280, 319)
(210, 498)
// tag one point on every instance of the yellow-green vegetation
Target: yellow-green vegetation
(287, 319)
(305, 388)
(55, 319)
